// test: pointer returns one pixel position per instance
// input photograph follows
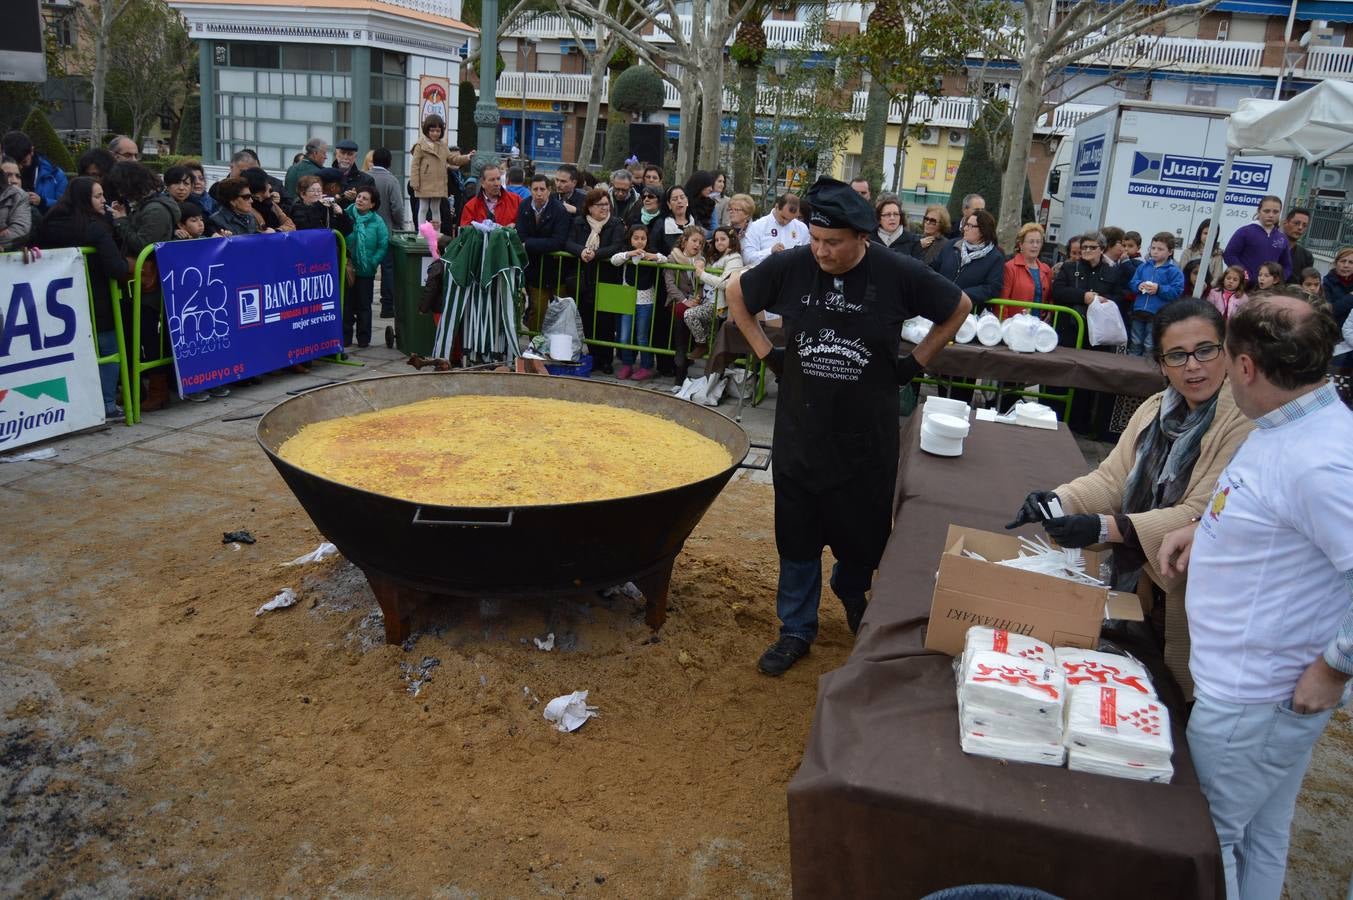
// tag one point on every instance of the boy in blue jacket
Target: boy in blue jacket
(1156, 282)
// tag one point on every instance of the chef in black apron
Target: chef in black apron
(843, 300)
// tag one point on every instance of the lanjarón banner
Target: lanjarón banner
(49, 376)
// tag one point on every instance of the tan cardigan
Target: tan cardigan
(428, 170)
(1101, 492)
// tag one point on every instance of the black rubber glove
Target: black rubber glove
(908, 367)
(1074, 531)
(775, 361)
(1032, 510)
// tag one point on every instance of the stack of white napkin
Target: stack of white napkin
(1115, 725)
(1011, 698)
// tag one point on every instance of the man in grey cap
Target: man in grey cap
(345, 161)
(843, 300)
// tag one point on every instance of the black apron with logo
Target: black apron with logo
(836, 426)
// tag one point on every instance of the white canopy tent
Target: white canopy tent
(1315, 126)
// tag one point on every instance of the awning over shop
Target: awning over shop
(1308, 10)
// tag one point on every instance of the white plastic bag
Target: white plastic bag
(562, 317)
(1105, 324)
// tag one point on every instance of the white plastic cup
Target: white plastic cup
(988, 330)
(561, 346)
(1045, 341)
(967, 332)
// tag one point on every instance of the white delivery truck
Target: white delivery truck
(1152, 167)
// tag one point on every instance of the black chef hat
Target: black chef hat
(835, 204)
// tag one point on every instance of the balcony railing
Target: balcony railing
(942, 112)
(443, 8)
(551, 26)
(1330, 62)
(567, 88)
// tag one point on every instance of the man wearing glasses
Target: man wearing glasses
(1090, 279)
(123, 149)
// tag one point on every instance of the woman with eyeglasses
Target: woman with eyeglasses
(1090, 279)
(892, 231)
(934, 226)
(1160, 476)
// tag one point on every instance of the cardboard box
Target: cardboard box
(972, 592)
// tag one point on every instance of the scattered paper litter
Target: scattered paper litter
(570, 711)
(323, 551)
(628, 589)
(44, 453)
(547, 645)
(286, 598)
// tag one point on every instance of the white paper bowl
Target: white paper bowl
(1018, 333)
(945, 426)
(946, 406)
(1045, 341)
(931, 443)
(988, 330)
(1036, 415)
(967, 332)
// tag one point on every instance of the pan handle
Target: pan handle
(483, 523)
(760, 468)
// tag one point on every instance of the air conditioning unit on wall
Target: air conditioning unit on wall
(931, 135)
(957, 138)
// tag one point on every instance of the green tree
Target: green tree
(152, 64)
(810, 108)
(984, 158)
(189, 141)
(637, 91)
(44, 138)
(906, 49)
(1055, 36)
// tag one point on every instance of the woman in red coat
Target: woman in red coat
(1027, 277)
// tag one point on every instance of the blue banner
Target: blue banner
(248, 305)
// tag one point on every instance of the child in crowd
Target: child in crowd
(1229, 296)
(723, 252)
(1270, 275)
(192, 223)
(1156, 282)
(1132, 247)
(683, 287)
(639, 325)
(1310, 283)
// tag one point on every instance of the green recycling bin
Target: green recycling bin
(413, 332)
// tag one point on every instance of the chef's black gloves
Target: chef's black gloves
(908, 368)
(775, 361)
(1074, 531)
(1033, 509)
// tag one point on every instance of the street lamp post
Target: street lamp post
(486, 110)
(524, 53)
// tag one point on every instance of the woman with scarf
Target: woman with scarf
(663, 236)
(647, 210)
(975, 264)
(1160, 476)
(892, 231)
(594, 236)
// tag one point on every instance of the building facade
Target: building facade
(274, 74)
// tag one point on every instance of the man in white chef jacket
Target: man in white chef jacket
(1270, 589)
(780, 229)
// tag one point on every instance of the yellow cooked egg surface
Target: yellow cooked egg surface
(505, 451)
